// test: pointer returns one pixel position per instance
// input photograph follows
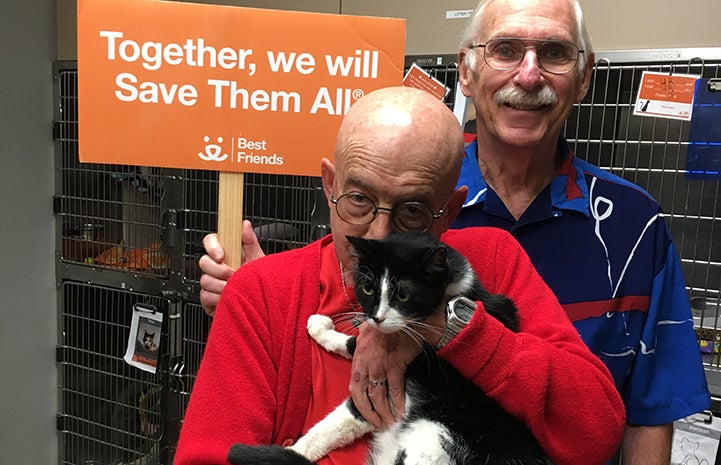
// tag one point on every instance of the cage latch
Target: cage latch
(147, 308)
(172, 221)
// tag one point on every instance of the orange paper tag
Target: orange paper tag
(185, 85)
(665, 95)
(419, 78)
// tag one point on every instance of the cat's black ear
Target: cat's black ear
(437, 260)
(356, 250)
(359, 245)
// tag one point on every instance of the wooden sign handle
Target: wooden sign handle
(230, 216)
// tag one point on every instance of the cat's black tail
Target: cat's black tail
(240, 454)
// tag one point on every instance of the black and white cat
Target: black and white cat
(400, 281)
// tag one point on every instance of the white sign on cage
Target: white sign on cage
(696, 439)
(144, 338)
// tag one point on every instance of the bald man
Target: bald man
(263, 381)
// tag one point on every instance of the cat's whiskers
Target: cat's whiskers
(365, 273)
(428, 328)
(345, 292)
(414, 335)
(427, 353)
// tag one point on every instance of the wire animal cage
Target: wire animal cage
(110, 412)
(194, 334)
(109, 214)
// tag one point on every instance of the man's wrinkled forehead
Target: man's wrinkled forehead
(508, 18)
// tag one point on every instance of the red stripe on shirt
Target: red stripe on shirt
(572, 190)
(582, 310)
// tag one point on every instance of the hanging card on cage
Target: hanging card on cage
(144, 338)
(421, 79)
(696, 439)
(665, 95)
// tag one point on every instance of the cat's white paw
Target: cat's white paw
(319, 324)
(311, 447)
(322, 330)
(300, 447)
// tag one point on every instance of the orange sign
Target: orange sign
(421, 79)
(665, 95)
(224, 88)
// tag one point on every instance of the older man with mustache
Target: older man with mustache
(599, 241)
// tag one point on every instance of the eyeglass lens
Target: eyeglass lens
(357, 209)
(554, 56)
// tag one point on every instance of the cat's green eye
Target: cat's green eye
(402, 295)
(367, 289)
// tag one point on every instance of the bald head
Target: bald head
(402, 129)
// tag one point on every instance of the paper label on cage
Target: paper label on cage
(696, 439)
(144, 338)
(458, 14)
(420, 79)
(664, 95)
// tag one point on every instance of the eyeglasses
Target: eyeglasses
(357, 209)
(506, 53)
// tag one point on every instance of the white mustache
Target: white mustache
(519, 98)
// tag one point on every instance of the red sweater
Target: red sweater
(253, 386)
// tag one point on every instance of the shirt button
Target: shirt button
(556, 214)
(287, 443)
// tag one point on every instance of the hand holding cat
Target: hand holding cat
(380, 356)
(215, 272)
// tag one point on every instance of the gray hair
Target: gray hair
(473, 31)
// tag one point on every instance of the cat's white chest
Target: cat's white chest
(421, 442)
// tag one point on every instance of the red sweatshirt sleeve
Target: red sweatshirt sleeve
(545, 375)
(253, 383)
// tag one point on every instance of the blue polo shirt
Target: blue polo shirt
(601, 244)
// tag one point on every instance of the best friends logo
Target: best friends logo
(243, 151)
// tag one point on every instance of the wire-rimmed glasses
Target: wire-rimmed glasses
(506, 53)
(358, 209)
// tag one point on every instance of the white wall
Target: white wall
(28, 303)
(642, 24)
(613, 24)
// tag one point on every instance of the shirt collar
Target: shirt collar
(569, 190)
(471, 176)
